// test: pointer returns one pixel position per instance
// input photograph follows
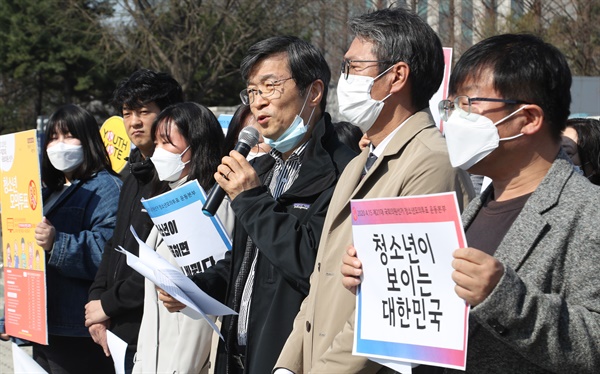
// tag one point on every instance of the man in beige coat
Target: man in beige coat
(391, 70)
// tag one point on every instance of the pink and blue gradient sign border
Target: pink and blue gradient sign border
(430, 355)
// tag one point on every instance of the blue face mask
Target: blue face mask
(292, 136)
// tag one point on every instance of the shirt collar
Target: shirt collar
(298, 153)
(378, 151)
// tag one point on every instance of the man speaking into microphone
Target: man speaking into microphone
(280, 203)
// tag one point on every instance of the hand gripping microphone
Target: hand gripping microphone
(247, 139)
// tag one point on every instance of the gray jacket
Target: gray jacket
(543, 316)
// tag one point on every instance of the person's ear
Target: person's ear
(401, 72)
(534, 117)
(315, 95)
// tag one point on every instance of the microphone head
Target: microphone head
(249, 135)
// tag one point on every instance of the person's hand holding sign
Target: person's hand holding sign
(476, 274)
(44, 234)
(351, 269)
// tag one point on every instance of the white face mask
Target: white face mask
(471, 137)
(65, 157)
(292, 136)
(168, 165)
(355, 102)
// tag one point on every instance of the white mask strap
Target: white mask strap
(510, 115)
(511, 137)
(182, 153)
(390, 94)
(303, 105)
(505, 118)
(310, 117)
(383, 72)
(306, 100)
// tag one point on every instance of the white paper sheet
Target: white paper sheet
(164, 275)
(117, 348)
(24, 363)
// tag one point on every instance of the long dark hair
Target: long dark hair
(235, 126)
(83, 126)
(201, 129)
(588, 144)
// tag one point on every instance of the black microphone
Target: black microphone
(247, 139)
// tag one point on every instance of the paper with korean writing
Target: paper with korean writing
(196, 241)
(24, 260)
(159, 271)
(407, 309)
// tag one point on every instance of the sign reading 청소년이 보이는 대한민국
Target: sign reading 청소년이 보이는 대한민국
(24, 260)
(407, 310)
(116, 141)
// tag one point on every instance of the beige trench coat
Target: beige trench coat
(415, 162)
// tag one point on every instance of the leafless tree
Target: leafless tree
(570, 25)
(200, 43)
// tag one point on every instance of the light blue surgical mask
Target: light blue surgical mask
(292, 136)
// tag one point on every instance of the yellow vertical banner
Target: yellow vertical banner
(24, 261)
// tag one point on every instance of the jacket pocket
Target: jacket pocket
(270, 273)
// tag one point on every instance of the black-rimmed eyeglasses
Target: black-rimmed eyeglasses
(463, 103)
(346, 65)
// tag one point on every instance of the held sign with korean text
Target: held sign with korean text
(407, 309)
(195, 240)
(24, 260)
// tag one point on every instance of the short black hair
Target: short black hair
(348, 134)
(525, 68)
(306, 63)
(145, 86)
(83, 126)
(399, 35)
(588, 144)
(201, 129)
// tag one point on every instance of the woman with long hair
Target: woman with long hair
(581, 141)
(80, 198)
(189, 142)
